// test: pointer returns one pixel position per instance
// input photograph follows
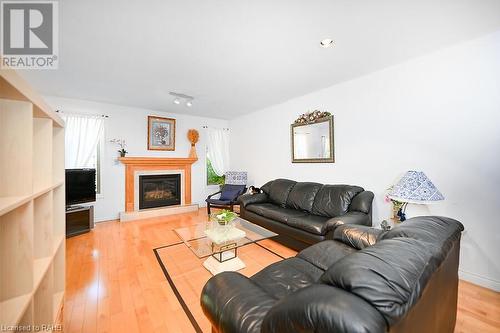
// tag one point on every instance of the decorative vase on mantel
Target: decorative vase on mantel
(193, 137)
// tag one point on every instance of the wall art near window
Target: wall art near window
(161, 133)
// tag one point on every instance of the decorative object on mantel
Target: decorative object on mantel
(193, 137)
(122, 144)
(161, 133)
(312, 138)
(413, 188)
(312, 117)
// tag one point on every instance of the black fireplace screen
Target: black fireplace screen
(159, 191)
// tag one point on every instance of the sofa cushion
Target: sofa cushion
(279, 190)
(302, 196)
(334, 200)
(325, 253)
(274, 212)
(390, 275)
(311, 223)
(287, 276)
(260, 208)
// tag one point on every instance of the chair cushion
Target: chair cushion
(231, 192)
(311, 223)
(274, 212)
(279, 190)
(287, 276)
(302, 196)
(334, 200)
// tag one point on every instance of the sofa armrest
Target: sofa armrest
(248, 199)
(320, 309)
(349, 218)
(357, 236)
(233, 303)
(362, 202)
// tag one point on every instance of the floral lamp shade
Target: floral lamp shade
(415, 187)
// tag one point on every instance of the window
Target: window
(95, 163)
(84, 142)
(212, 177)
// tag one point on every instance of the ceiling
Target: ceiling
(235, 57)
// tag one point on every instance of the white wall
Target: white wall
(131, 124)
(439, 113)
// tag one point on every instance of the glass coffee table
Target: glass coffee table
(219, 244)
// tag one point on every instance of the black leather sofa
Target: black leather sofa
(364, 280)
(304, 213)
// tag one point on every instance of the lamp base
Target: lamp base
(413, 210)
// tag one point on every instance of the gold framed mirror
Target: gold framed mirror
(312, 142)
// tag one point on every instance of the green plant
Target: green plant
(225, 216)
(212, 177)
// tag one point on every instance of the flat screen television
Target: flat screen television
(80, 186)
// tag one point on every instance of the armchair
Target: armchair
(235, 185)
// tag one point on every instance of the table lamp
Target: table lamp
(416, 188)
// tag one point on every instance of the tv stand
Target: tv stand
(79, 220)
(72, 208)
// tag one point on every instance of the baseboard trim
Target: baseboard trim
(479, 280)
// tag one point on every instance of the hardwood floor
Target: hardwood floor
(115, 284)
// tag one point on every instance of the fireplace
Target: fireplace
(159, 190)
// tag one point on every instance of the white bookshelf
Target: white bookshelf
(32, 220)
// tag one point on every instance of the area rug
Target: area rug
(186, 275)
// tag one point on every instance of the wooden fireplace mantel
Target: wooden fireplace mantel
(133, 164)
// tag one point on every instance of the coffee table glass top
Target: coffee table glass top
(195, 236)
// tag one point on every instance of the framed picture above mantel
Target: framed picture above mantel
(161, 133)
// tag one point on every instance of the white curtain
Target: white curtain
(218, 149)
(82, 134)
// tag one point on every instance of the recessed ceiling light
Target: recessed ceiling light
(177, 101)
(327, 42)
(189, 104)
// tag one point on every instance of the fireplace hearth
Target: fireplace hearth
(159, 190)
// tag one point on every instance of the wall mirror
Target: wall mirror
(312, 142)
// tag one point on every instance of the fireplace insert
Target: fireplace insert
(159, 190)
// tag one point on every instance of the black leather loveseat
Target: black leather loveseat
(304, 213)
(365, 280)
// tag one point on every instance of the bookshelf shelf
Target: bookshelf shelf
(31, 205)
(12, 309)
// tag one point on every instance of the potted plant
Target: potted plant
(225, 217)
(122, 152)
(122, 144)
